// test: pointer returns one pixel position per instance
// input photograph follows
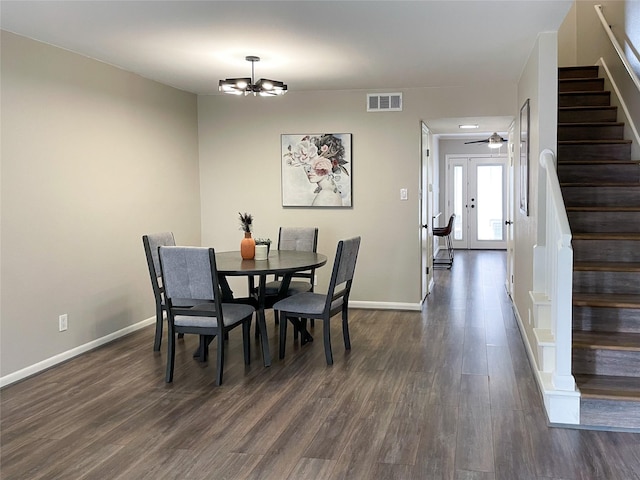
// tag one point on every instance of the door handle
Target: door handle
(425, 226)
(508, 222)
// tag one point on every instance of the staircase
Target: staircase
(601, 189)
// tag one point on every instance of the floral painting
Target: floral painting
(316, 170)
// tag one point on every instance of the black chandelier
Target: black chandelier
(245, 86)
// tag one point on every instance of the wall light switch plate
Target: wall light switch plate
(403, 194)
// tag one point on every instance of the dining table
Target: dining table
(284, 263)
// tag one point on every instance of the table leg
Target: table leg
(262, 326)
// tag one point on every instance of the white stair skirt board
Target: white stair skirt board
(562, 406)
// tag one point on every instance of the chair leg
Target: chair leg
(326, 333)
(283, 336)
(345, 329)
(159, 321)
(246, 344)
(220, 366)
(171, 356)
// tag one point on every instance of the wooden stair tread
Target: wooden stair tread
(595, 142)
(599, 162)
(603, 209)
(606, 266)
(601, 184)
(607, 387)
(607, 236)
(614, 300)
(587, 107)
(606, 340)
(584, 92)
(591, 124)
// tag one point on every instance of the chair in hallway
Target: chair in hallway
(298, 308)
(445, 232)
(189, 275)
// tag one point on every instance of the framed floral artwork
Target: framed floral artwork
(316, 170)
(524, 158)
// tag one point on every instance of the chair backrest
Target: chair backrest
(344, 267)
(189, 273)
(303, 239)
(151, 243)
(450, 224)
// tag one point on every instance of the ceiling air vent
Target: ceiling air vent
(384, 102)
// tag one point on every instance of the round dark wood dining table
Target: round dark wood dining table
(279, 262)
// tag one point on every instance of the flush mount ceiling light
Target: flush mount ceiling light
(468, 126)
(245, 86)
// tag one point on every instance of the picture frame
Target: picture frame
(316, 170)
(524, 158)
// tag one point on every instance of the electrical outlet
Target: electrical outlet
(403, 194)
(315, 279)
(62, 322)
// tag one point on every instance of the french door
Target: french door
(476, 193)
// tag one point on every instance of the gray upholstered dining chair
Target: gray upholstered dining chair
(190, 273)
(298, 308)
(151, 243)
(302, 239)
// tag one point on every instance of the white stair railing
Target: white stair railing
(617, 47)
(558, 276)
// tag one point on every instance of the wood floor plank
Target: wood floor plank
(397, 406)
(474, 446)
(474, 359)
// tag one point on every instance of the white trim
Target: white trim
(385, 305)
(561, 406)
(69, 354)
(74, 352)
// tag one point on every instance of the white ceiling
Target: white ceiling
(310, 45)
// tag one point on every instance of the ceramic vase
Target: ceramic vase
(247, 247)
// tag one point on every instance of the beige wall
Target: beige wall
(92, 158)
(538, 83)
(240, 171)
(591, 44)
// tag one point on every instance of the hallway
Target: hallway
(446, 393)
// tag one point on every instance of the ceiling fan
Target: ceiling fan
(494, 141)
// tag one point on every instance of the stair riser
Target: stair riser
(588, 115)
(598, 319)
(601, 222)
(590, 71)
(606, 250)
(609, 413)
(601, 196)
(602, 99)
(601, 172)
(590, 132)
(607, 282)
(617, 363)
(581, 85)
(616, 151)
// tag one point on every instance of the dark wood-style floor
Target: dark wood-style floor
(446, 393)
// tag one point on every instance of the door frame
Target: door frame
(509, 230)
(426, 211)
(465, 158)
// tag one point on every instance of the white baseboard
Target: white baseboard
(385, 305)
(69, 354)
(74, 352)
